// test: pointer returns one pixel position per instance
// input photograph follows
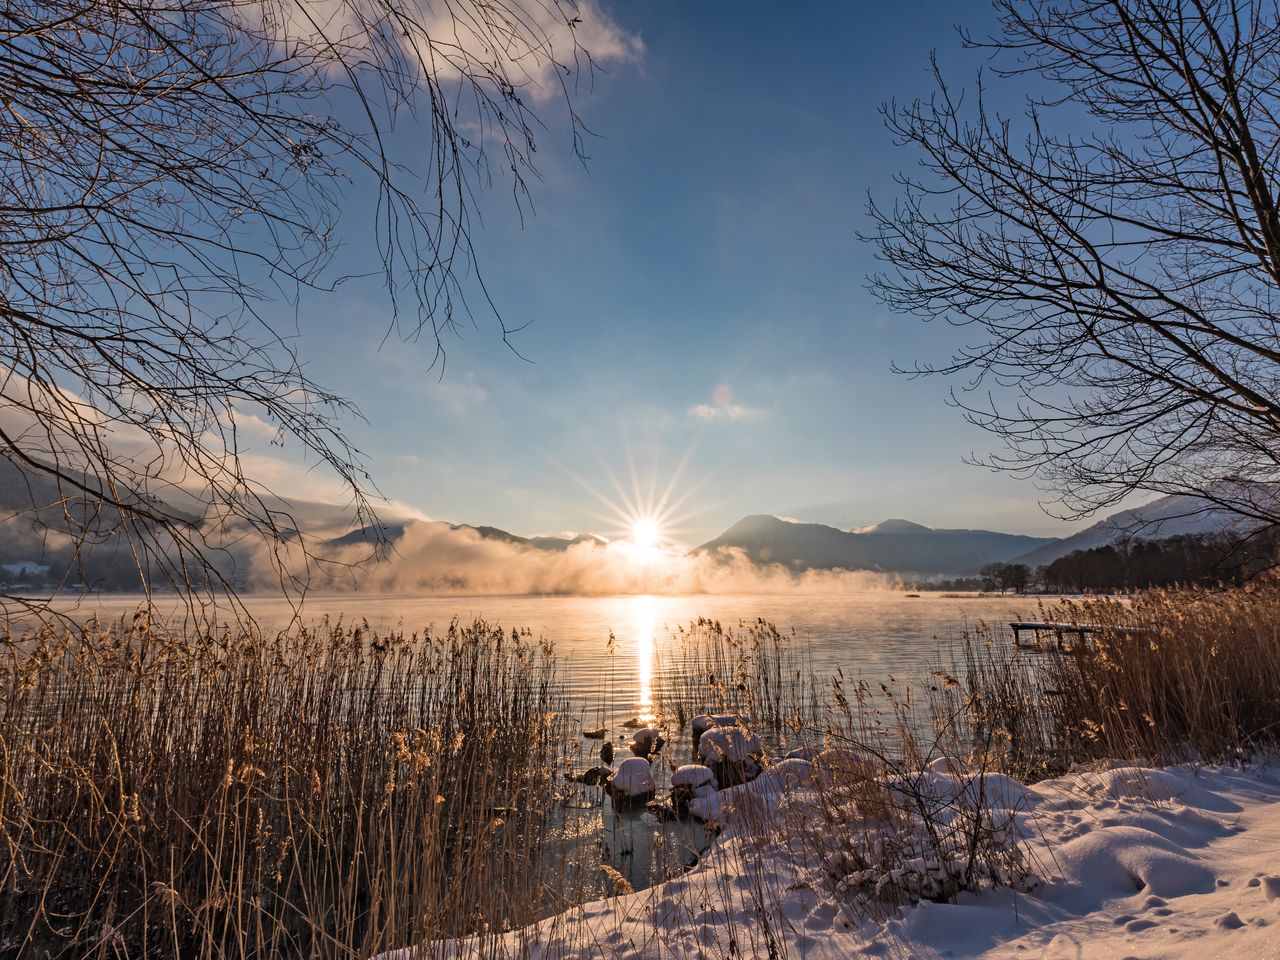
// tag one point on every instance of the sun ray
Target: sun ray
(647, 519)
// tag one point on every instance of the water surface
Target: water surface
(873, 635)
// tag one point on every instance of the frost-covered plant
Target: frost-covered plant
(889, 835)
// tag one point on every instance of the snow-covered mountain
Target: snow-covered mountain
(898, 546)
(1170, 516)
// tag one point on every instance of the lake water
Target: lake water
(871, 636)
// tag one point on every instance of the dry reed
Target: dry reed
(1166, 676)
(335, 793)
(330, 792)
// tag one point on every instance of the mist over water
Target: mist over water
(433, 558)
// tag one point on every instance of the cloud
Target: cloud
(458, 396)
(732, 411)
(523, 43)
(723, 407)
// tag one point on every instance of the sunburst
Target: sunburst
(648, 517)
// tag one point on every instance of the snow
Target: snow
(728, 744)
(692, 775)
(704, 722)
(1181, 863)
(633, 778)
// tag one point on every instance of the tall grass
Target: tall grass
(912, 798)
(336, 793)
(1167, 676)
(329, 792)
(755, 672)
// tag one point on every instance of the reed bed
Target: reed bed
(913, 781)
(1166, 676)
(329, 792)
(755, 671)
(336, 793)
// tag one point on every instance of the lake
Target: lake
(871, 635)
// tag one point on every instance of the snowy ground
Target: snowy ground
(1128, 863)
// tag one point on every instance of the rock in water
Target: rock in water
(646, 742)
(606, 752)
(594, 777)
(596, 734)
(732, 753)
(705, 721)
(689, 783)
(632, 784)
(663, 810)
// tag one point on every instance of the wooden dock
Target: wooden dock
(1060, 631)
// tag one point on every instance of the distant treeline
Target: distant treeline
(1192, 560)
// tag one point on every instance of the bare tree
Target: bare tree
(167, 167)
(1114, 252)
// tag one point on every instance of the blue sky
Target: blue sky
(696, 294)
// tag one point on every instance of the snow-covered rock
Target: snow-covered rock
(646, 742)
(692, 775)
(707, 721)
(729, 743)
(706, 806)
(732, 752)
(632, 783)
(689, 784)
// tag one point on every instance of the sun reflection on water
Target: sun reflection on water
(645, 615)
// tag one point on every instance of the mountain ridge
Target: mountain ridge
(897, 546)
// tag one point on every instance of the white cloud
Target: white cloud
(730, 411)
(521, 42)
(723, 407)
(457, 396)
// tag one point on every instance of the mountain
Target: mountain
(538, 543)
(1169, 516)
(898, 546)
(390, 533)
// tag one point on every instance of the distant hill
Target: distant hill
(1170, 516)
(897, 546)
(391, 533)
(538, 543)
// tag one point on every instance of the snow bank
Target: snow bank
(1179, 863)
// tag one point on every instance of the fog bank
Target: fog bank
(435, 559)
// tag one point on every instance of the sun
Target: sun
(645, 533)
(644, 518)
